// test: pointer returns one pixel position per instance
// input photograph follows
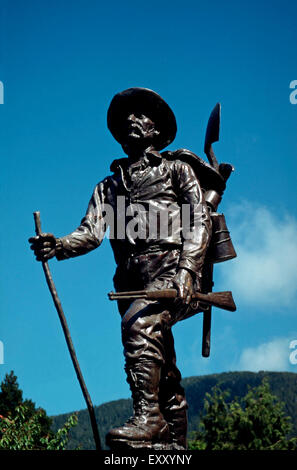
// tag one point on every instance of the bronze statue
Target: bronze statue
(151, 187)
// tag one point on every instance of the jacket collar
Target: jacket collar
(151, 157)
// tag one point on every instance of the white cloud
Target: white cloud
(273, 355)
(265, 270)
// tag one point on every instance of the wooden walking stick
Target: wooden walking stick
(66, 331)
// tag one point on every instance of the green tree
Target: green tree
(25, 431)
(10, 396)
(256, 422)
(22, 426)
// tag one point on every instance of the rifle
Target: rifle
(222, 300)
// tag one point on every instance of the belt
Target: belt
(160, 248)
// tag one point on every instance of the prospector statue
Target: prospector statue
(152, 255)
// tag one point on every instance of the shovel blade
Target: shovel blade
(213, 127)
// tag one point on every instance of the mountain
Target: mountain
(115, 413)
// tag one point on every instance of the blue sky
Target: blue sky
(61, 62)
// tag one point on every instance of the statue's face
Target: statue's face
(140, 130)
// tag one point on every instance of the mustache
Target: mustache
(134, 125)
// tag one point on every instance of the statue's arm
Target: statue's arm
(89, 234)
(196, 235)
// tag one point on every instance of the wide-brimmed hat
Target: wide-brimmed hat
(147, 102)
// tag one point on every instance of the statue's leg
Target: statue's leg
(143, 328)
(173, 404)
(150, 361)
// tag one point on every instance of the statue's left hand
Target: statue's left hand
(183, 281)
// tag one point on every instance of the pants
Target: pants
(146, 325)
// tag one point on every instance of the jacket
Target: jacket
(143, 206)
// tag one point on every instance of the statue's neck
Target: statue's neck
(135, 155)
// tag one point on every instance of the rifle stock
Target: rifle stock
(222, 300)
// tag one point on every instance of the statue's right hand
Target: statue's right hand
(44, 246)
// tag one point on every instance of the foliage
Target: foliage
(255, 422)
(24, 431)
(10, 396)
(23, 427)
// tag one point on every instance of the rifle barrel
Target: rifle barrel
(222, 300)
